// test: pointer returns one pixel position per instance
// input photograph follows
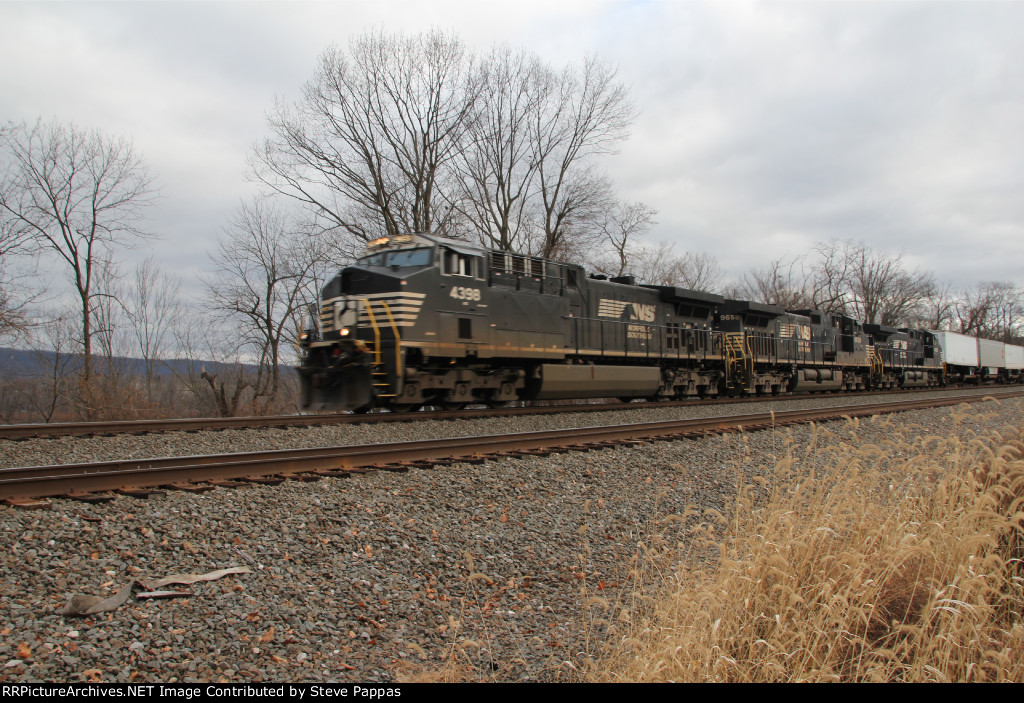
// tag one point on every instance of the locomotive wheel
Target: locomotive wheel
(453, 406)
(404, 407)
(495, 404)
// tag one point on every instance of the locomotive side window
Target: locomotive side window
(408, 257)
(372, 260)
(457, 264)
(412, 257)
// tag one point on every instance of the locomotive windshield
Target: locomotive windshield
(403, 258)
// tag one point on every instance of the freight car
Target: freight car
(973, 360)
(422, 320)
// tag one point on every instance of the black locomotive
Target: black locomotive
(423, 320)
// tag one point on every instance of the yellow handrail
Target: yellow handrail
(398, 339)
(739, 363)
(376, 334)
(877, 365)
(376, 330)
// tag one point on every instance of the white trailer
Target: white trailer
(958, 349)
(991, 356)
(1014, 357)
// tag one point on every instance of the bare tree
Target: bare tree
(620, 227)
(110, 336)
(528, 172)
(879, 289)
(261, 281)
(831, 277)
(112, 391)
(14, 320)
(662, 267)
(367, 146)
(698, 271)
(77, 194)
(587, 114)
(938, 309)
(1007, 313)
(779, 282)
(654, 265)
(992, 309)
(210, 368)
(973, 308)
(53, 343)
(852, 279)
(402, 134)
(153, 309)
(497, 170)
(844, 277)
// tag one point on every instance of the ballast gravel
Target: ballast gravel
(71, 450)
(504, 570)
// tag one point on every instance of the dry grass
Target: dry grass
(898, 561)
(453, 670)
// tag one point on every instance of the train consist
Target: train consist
(422, 320)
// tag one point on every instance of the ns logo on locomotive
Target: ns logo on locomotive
(422, 320)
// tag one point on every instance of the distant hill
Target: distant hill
(23, 363)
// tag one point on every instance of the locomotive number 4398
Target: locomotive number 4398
(460, 293)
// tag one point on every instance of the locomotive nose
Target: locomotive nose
(345, 300)
(338, 317)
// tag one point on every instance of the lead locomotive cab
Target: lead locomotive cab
(362, 312)
(412, 322)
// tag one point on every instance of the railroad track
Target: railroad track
(116, 427)
(22, 486)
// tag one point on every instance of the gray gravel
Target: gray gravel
(504, 567)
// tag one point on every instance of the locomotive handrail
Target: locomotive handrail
(398, 339)
(376, 330)
(654, 347)
(877, 365)
(377, 353)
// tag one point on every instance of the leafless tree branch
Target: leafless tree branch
(75, 194)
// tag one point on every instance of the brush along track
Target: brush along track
(116, 427)
(19, 484)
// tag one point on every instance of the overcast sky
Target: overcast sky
(763, 127)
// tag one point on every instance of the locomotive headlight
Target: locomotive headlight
(344, 332)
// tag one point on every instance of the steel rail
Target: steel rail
(38, 482)
(114, 427)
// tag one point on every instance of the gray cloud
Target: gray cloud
(762, 127)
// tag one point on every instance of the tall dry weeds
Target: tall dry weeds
(897, 561)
